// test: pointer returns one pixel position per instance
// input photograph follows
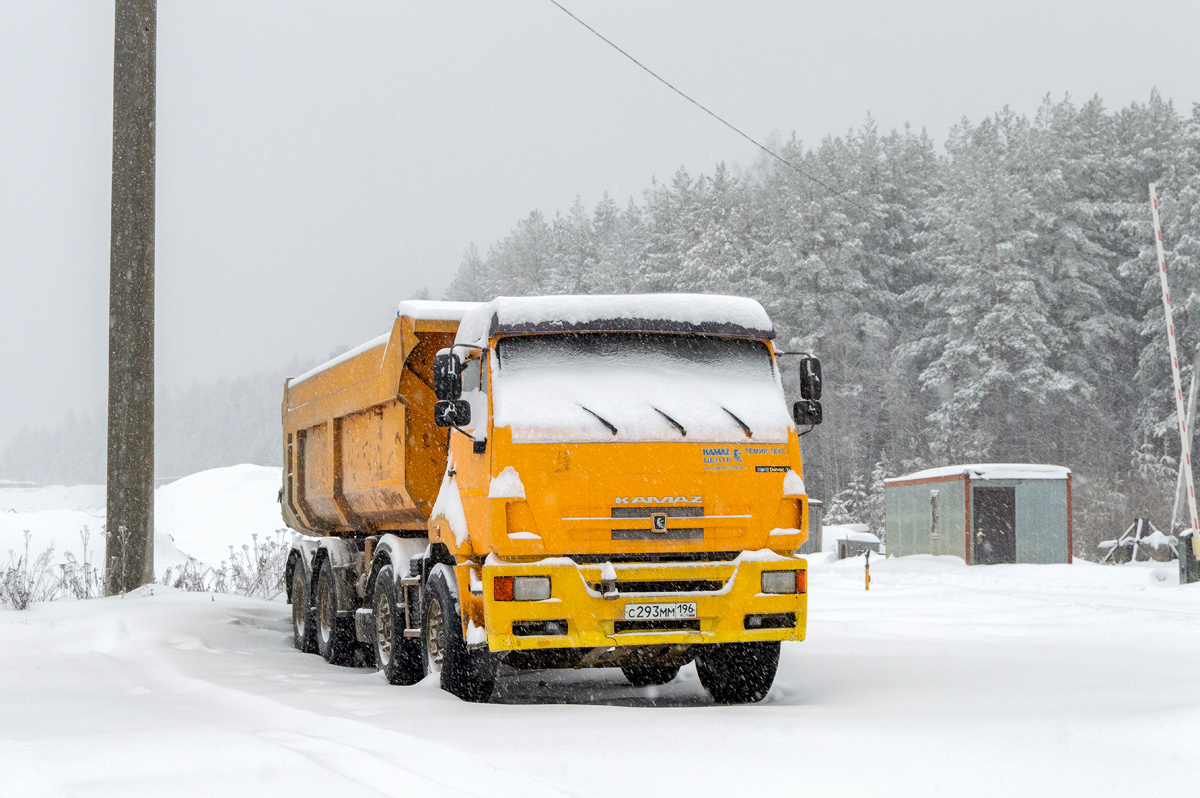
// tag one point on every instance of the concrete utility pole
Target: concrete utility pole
(129, 556)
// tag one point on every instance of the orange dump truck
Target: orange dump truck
(560, 482)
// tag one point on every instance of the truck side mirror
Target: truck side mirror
(807, 412)
(452, 413)
(810, 379)
(447, 376)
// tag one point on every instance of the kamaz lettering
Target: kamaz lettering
(659, 500)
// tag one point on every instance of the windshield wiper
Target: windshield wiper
(674, 423)
(602, 420)
(745, 427)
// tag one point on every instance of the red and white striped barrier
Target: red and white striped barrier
(1184, 434)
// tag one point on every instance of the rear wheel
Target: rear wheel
(738, 673)
(645, 676)
(399, 657)
(470, 675)
(303, 636)
(335, 636)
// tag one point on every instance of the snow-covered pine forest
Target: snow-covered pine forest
(995, 299)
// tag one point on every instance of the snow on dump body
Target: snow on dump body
(427, 309)
(697, 313)
(342, 358)
(989, 471)
(416, 309)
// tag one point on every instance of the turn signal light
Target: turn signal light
(502, 588)
(802, 581)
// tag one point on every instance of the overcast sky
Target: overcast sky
(318, 162)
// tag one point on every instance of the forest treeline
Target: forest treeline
(995, 299)
(992, 299)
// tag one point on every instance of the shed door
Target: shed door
(994, 520)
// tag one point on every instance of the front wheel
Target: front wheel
(470, 675)
(399, 657)
(738, 673)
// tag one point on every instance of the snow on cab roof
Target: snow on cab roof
(706, 314)
(988, 471)
(433, 310)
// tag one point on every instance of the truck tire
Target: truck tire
(335, 636)
(303, 634)
(646, 676)
(738, 673)
(400, 658)
(470, 675)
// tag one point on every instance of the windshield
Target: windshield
(637, 386)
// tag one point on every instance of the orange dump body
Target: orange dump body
(361, 451)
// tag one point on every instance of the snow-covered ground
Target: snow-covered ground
(941, 680)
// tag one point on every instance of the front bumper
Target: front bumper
(593, 621)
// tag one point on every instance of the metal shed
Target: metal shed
(985, 513)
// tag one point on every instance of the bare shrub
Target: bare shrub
(256, 571)
(80, 580)
(25, 582)
(193, 576)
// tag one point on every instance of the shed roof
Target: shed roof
(986, 471)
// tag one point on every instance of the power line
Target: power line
(717, 117)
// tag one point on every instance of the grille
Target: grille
(666, 556)
(683, 533)
(656, 626)
(646, 512)
(668, 586)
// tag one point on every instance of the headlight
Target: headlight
(779, 581)
(531, 588)
(521, 588)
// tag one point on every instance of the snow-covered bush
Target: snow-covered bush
(256, 571)
(81, 580)
(24, 582)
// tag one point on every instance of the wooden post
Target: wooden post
(129, 555)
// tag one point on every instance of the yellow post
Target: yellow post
(868, 569)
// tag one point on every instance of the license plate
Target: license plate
(661, 611)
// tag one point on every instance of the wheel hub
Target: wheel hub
(299, 611)
(434, 636)
(383, 628)
(325, 613)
